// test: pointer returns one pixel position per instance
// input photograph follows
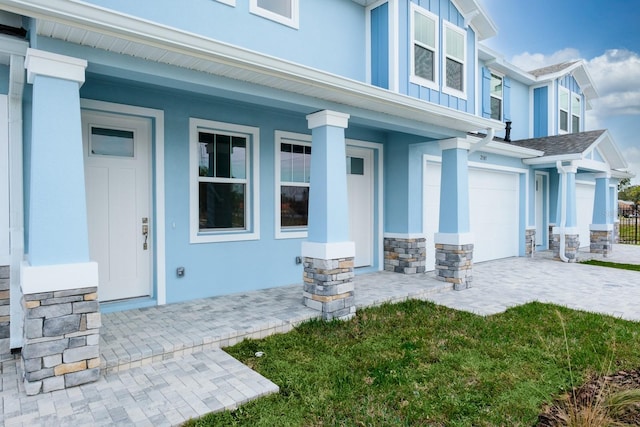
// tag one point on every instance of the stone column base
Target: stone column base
(405, 255)
(5, 313)
(61, 338)
(454, 264)
(571, 245)
(328, 287)
(601, 242)
(616, 232)
(529, 242)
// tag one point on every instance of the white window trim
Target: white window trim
(501, 76)
(287, 232)
(571, 115)
(412, 77)
(446, 89)
(231, 3)
(568, 110)
(252, 205)
(293, 22)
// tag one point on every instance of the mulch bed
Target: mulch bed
(592, 392)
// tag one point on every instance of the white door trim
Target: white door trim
(158, 197)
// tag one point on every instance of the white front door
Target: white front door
(539, 210)
(117, 179)
(360, 192)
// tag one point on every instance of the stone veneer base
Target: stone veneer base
(454, 264)
(5, 313)
(403, 255)
(61, 339)
(529, 242)
(601, 242)
(571, 246)
(328, 287)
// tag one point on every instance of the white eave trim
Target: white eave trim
(505, 149)
(334, 88)
(553, 159)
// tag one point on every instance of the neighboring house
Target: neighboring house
(150, 155)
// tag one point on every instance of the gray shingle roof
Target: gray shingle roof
(551, 69)
(571, 143)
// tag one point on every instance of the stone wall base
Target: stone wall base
(454, 264)
(601, 242)
(406, 256)
(616, 232)
(328, 287)
(529, 242)
(5, 313)
(571, 246)
(61, 338)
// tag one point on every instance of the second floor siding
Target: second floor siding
(436, 54)
(327, 35)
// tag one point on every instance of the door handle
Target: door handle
(145, 232)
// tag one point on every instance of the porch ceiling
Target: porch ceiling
(88, 25)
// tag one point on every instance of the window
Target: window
(576, 110)
(424, 55)
(563, 104)
(282, 11)
(496, 97)
(293, 171)
(455, 52)
(223, 162)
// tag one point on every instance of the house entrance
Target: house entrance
(117, 180)
(360, 192)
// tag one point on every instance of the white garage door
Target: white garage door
(585, 194)
(494, 218)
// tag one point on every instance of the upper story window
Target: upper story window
(282, 11)
(563, 105)
(424, 54)
(496, 88)
(454, 66)
(224, 174)
(293, 172)
(576, 111)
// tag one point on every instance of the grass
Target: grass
(416, 363)
(632, 267)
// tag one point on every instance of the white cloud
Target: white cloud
(632, 156)
(617, 78)
(532, 61)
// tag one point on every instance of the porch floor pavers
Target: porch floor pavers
(163, 365)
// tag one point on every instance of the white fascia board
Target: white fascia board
(622, 174)
(553, 159)
(496, 61)
(12, 46)
(477, 17)
(509, 150)
(610, 151)
(93, 18)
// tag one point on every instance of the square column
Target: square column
(328, 254)
(454, 242)
(59, 282)
(601, 230)
(567, 221)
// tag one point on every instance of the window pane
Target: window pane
(564, 100)
(111, 142)
(281, 7)
(455, 44)
(575, 106)
(294, 206)
(564, 120)
(221, 205)
(423, 59)
(205, 155)
(454, 74)
(238, 158)
(424, 29)
(295, 162)
(355, 166)
(223, 156)
(496, 86)
(496, 108)
(575, 124)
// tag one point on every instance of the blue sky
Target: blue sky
(605, 33)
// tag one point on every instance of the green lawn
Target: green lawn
(416, 363)
(632, 267)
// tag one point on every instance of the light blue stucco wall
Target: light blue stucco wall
(446, 11)
(520, 111)
(331, 34)
(540, 112)
(227, 267)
